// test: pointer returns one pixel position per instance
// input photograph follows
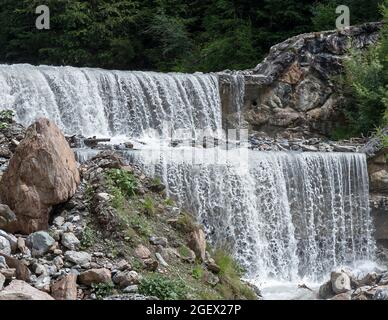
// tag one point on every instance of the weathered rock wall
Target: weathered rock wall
(292, 91)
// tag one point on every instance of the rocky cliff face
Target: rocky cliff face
(292, 91)
(378, 179)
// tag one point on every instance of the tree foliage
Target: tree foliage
(365, 85)
(164, 35)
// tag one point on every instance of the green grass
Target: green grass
(197, 272)
(163, 287)
(230, 286)
(186, 223)
(149, 206)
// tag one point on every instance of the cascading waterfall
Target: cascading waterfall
(284, 215)
(288, 216)
(238, 92)
(110, 103)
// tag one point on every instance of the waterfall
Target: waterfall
(111, 103)
(289, 216)
(284, 215)
(238, 93)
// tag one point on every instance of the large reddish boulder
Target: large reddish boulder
(42, 173)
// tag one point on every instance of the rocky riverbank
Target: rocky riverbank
(105, 231)
(344, 284)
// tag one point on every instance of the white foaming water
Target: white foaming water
(285, 216)
(289, 218)
(111, 103)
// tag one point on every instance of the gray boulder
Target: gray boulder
(40, 243)
(78, 258)
(340, 282)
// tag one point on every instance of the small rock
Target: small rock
(3, 263)
(2, 280)
(131, 289)
(369, 280)
(58, 262)
(67, 227)
(43, 283)
(79, 258)
(21, 244)
(11, 238)
(142, 252)
(381, 293)
(126, 278)
(159, 241)
(8, 273)
(103, 196)
(70, 241)
(95, 276)
(98, 254)
(123, 265)
(151, 264)
(342, 296)
(65, 288)
(5, 246)
(57, 252)
(162, 262)
(40, 243)
(39, 269)
(326, 291)
(59, 221)
(7, 216)
(212, 265)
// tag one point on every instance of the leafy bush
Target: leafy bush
(102, 290)
(6, 117)
(140, 224)
(365, 86)
(124, 180)
(88, 238)
(163, 287)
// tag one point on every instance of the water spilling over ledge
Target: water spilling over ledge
(110, 103)
(285, 215)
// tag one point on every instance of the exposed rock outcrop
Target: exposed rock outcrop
(20, 290)
(292, 89)
(42, 173)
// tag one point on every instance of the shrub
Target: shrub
(102, 290)
(88, 238)
(163, 287)
(6, 117)
(197, 272)
(149, 206)
(365, 86)
(123, 180)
